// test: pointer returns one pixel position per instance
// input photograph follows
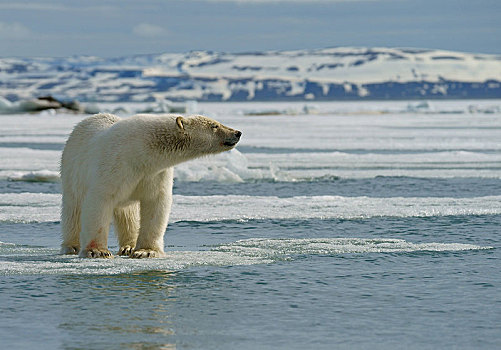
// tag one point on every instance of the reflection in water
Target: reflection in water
(129, 310)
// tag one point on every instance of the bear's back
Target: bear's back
(87, 128)
(81, 138)
(92, 125)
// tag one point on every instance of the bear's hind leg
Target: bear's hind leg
(70, 225)
(126, 221)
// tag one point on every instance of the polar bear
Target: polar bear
(122, 170)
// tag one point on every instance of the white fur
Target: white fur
(122, 170)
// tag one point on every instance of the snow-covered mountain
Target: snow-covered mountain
(325, 74)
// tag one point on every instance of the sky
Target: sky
(113, 28)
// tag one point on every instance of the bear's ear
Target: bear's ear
(179, 122)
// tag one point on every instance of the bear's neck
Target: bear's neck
(181, 152)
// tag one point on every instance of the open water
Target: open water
(348, 226)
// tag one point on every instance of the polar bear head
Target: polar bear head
(206, 135)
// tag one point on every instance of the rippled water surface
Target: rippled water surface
(341, 229)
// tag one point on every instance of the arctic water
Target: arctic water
(368, 225)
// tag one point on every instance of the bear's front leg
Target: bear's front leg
(154, 218)
(96, 219)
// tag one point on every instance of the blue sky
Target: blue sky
(125, 27)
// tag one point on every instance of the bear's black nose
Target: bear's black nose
(238, 134)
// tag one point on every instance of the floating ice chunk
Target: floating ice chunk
(283, 248)
(230, 167)
(418, 107)
(235, 207)
(26, 260)
(31, 207)
(199, 172)
(36, 176)
(43, 207)
(238, 164)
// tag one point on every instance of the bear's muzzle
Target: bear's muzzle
(230, 142)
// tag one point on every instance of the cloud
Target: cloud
(13, 30)
(149, 30)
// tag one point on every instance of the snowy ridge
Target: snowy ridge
(323, 74)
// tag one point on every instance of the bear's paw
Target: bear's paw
(126, 250)
(70, 250)
(96, 253)
(147, 253)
